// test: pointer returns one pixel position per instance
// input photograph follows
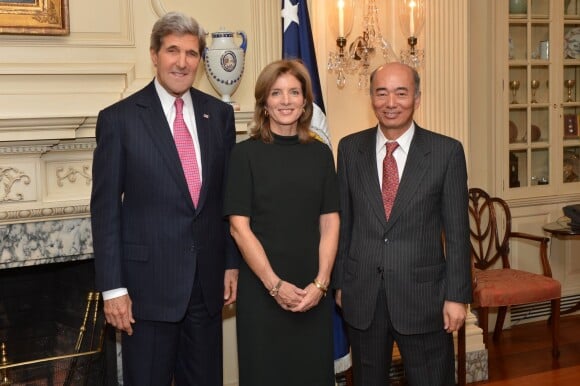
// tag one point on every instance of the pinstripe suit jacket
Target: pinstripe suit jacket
(407, 250)
(147, 234)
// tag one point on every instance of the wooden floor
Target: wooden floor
(523, 356)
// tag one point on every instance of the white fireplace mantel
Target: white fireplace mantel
(50, 179)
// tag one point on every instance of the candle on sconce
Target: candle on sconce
(412, 18)
(341, 18)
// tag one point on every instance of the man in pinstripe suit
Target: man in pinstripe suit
(398, 279)
(164, 257)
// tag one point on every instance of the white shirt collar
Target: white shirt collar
(168, 100)
(404, 140)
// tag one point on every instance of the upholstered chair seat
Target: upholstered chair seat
(504, 287)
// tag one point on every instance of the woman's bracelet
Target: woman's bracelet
(276, 288)
(321, 287)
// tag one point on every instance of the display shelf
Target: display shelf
(539, 73)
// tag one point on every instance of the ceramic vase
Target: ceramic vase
(224, 63)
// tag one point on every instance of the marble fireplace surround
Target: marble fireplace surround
(44, 242)
(46, 270)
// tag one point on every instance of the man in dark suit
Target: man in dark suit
(163, 254)
(403, 268)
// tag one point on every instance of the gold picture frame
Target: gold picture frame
(34, 17)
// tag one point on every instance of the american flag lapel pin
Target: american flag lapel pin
(206, 116)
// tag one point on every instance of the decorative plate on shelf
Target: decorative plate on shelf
(572, 44)
(536, 133)
(513, 132)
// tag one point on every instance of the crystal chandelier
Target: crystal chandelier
(356, 57)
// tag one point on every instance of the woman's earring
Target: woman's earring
(266, 113)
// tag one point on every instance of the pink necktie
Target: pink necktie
(186, 151)
(390, 178)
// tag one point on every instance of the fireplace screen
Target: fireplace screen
(56, 353)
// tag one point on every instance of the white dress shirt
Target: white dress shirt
(400, 152)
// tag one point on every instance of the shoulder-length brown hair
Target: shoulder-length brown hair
(260, 127)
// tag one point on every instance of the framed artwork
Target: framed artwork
(34, 17)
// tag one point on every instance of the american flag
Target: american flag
(297, 42)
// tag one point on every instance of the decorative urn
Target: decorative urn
(224, 63)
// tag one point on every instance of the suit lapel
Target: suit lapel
(368, 174)
(202, 119)
(157, 128)
(415, 168)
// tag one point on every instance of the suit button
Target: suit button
(386, 240)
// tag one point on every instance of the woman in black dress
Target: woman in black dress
(282, 202)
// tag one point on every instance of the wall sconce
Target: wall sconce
(341, 27)
(361, 50)
(412, 18)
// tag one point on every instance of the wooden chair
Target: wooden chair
(490, 229)
(491, 235)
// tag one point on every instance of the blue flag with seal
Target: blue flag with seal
(297, 43)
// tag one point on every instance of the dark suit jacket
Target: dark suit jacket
(407, 250)
(147, 234)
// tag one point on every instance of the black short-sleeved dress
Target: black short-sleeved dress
(283, 187)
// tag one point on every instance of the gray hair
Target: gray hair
(416, 79)
(179, 24)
